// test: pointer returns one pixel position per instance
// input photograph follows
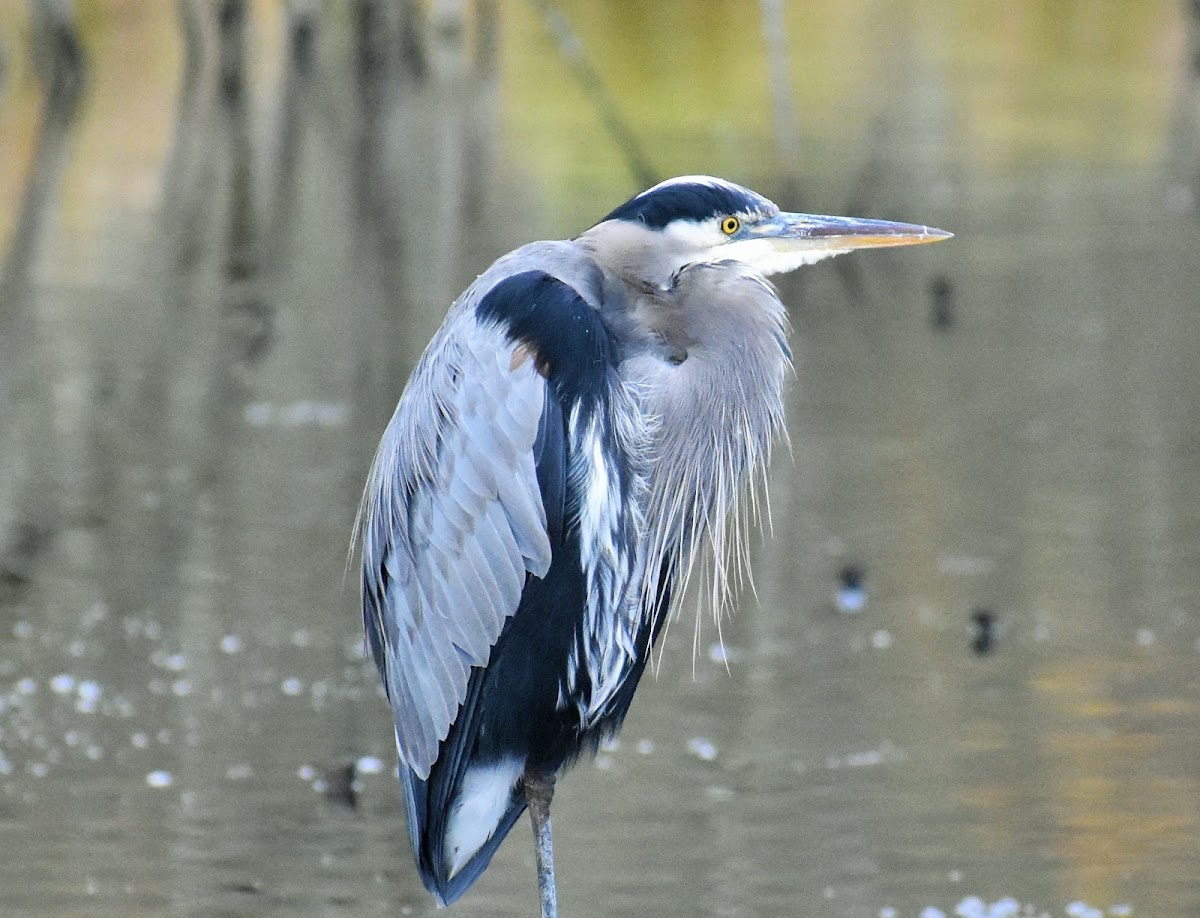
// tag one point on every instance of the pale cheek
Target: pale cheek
(772, 256)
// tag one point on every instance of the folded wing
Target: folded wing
(453, 522)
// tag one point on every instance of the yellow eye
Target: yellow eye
(730, 225)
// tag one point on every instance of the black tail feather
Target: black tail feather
(429, 802)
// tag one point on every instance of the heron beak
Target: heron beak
(788, 241)
(833, 235)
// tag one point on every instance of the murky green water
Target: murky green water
(208, 307)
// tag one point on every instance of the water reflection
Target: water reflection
(228, 241)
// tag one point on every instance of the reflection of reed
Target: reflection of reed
(300, 28)
(572, 50)
(1183, 135)
(248, 319)
(57, 52)
(28, 449)
(424, 127)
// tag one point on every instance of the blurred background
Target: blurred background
(968, 683)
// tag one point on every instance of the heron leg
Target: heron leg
(539, 791)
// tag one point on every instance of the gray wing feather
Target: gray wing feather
(452, 522)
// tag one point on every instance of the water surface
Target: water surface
(215, 285)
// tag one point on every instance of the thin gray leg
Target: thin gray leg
(539, 791)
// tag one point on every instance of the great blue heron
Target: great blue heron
(583, 425)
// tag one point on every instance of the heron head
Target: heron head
(698, 219)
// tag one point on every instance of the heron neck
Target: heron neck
(717, 413)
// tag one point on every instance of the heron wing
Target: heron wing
(465, 498)
(454, 521)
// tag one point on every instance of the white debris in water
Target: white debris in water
(77, 648)
(644, 746)
(93, 616)
(26, 686)
(719, 653)
(887, 912)
(291, 686)
(867, 759)
(62, 684)
(850, 599)
(368, 765)
(231, 643)
(301, 637)
(159, 779)
(974, 907)
(302, 413)
(22, 630)
(1144, 637)
(239, 772)
(881, 639)
(38, 769)
(71, 737)
(138, 627)
(139, 740)
(1008, 907)
(971, 907)
(702, 748)
(181, 687)
(954, 876)
(306, 772)
(319, 691)
(259, 413)
(95, 753)
(175, 662)
(610, 744)
(864, 759)
(603, 762)
(89, 695)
